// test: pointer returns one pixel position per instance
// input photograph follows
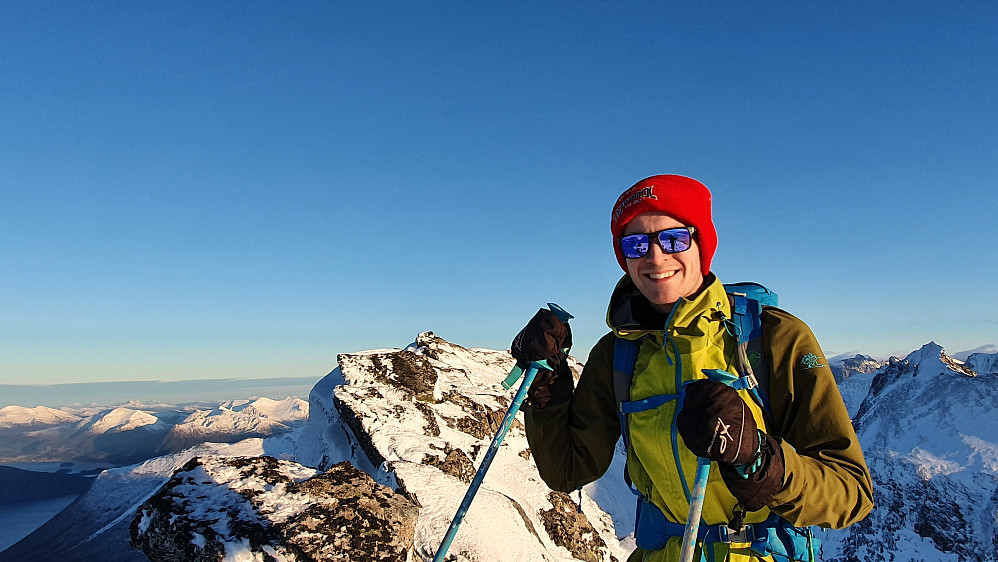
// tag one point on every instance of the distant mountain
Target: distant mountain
(133, 433)
(237, 420)
(118, 420)
(983, 363)
(989, 349)
(845, 366)
(419, 420)
(14, 416)
(927, 429)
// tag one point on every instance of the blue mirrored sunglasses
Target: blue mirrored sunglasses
(671, 240)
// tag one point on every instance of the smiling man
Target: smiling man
(780, 437)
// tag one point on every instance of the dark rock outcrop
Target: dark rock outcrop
(215, 507)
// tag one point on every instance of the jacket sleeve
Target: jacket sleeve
(827, 482)
(573, 443)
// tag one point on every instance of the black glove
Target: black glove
(543, 338)
(716, 424)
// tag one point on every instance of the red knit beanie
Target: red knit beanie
(682, 198)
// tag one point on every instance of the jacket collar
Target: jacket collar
(630, 315)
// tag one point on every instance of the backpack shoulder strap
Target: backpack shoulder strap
(747, 300)
(625, 355)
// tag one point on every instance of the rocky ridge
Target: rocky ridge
(216, 508)
(858, 364)
(926, 430)
(417, 421)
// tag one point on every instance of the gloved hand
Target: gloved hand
(716, 424)
(543, 338)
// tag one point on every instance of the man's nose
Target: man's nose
(655, 251)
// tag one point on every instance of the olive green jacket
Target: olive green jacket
(826, 480)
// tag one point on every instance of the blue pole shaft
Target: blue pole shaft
(476, 482)
(696, 509)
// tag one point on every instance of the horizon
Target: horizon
(150, 393)
(246, 190)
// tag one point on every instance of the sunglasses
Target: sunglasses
(671, 240)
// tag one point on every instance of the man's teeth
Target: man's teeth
(661, 275)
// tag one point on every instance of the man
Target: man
(777, 472)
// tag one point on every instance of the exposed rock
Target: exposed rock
(215, 507)
(413, 424)
(441, 406)
(455, 463)
(569, 528)
(858, 364)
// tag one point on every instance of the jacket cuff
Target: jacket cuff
(756, 490)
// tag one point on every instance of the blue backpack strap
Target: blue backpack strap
(625, 355)
(747, 300)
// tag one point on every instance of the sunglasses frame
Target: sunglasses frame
(658, 237)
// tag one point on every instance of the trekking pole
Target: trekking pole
(696, 509)
(521, 393)
(700, 484)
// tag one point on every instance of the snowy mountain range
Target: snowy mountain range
(418, 421)
(136, 432)
(927, 428)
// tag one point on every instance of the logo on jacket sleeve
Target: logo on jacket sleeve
(811, 361)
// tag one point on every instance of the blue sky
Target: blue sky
(245, 189)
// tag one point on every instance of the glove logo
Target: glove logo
(722, 431)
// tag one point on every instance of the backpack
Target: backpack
(775, 536)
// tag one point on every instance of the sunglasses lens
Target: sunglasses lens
(674, 240)
(634, 246)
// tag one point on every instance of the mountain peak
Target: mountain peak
(933, 460)
(39, 415)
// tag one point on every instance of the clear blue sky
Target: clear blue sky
(246, 189)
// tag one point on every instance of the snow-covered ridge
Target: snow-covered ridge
(135, 432)
(11, 416)
(926, 427)
(419, 420)
(119, 419)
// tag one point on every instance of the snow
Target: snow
(120, 491)
(928, 435)
(122, 419)
(854, 389)
(502, 520)
(924, 426)
(241, 551)
(11, 416)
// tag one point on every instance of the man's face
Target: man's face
(663, 278)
